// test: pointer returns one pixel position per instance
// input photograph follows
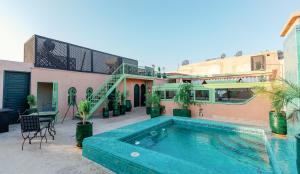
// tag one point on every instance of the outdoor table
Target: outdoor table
(47, 117)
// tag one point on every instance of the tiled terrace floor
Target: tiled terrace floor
(60, 156)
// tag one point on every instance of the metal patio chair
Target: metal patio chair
(31, 127)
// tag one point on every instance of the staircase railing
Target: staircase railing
(99, 96)
(107, 87)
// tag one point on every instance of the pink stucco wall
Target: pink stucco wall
(81, 81)
(130, 82)
(254, 112)
(66, 79)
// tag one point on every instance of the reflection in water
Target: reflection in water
(215, 149)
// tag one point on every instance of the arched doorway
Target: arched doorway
(136, 95)
(143, 94)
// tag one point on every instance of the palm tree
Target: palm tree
(292, 98)
(283, 94)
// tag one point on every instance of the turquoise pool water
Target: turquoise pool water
(176, 145)
(216, 149)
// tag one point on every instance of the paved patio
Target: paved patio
(60, 156)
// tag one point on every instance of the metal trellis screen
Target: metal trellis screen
(50, 53)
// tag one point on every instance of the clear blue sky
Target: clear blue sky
(161, 32)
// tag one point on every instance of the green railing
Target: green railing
(100, 95)
(138, 70)
(210, 89)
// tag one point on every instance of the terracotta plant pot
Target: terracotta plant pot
(83, 131)
(278, 123)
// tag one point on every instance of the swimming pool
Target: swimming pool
(181, 145)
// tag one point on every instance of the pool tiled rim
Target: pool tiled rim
(109, 150)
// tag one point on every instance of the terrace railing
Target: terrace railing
(111, 83)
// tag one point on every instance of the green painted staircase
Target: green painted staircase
(106, 88)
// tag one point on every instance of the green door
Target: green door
(136, 95)
(15, 90)
(55, 96)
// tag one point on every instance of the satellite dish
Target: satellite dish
(223, 55)
(239, 53)
(280, 54)
(185, 62)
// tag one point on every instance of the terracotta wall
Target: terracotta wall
(254, 112)
(66, 79)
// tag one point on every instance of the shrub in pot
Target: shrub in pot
(122, 105)
(128, 105)
(155, 107)
(105, 111)
(148, 103)
(84, 128)
(184, 100)
(128, 102)
(277, 117)
(116, 104)
(158, 72)
(31, 100)
(285, 94)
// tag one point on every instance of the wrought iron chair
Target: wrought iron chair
(31, 124)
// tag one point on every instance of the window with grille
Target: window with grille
(258, 63)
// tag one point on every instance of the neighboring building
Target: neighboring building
(268, 63)
(291, 45)
(53, 69)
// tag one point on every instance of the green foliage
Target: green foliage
(123, 97)
(276, 93)
(117, 99)
(182, 97)
(84, 110)
(155, 100)
(31, 100)
(285, 94)
(148, 101)
(127, 94)
(292, 97)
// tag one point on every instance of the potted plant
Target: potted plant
(122, 104)
(155, 107)
(164, 73)
(292, 99)
(105, 110)
(84, 128)
(158, 72)
(277, 117)
(128, 103)
(31, 100)
(116, 104)
(148, 103)
(183, 99)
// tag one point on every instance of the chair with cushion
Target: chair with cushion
(31, 127)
